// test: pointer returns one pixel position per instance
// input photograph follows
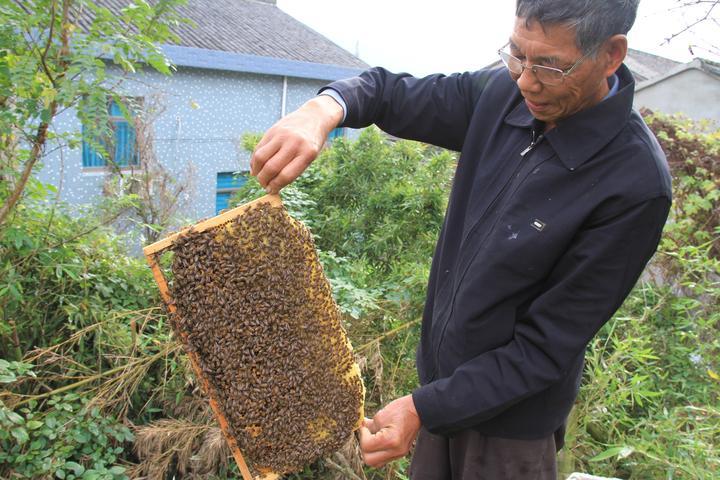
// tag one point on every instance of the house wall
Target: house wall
(205, 114)
(692, 92)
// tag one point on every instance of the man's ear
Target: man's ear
(613, 53)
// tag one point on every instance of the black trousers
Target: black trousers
(472, 456)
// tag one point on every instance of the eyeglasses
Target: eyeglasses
(545, 75)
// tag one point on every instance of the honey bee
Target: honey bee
(253, 303)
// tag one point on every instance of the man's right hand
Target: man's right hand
(289, 146)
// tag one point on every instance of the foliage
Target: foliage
(80, 317)
(375, 208)
(49, 63)
(89, 332)
(67, 441)
(61, 273)
(695, 161)
(649, 404)
(154, 195)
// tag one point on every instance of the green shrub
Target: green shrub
(60, 273)
(649, 406)
(66, 440)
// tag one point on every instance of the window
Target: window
(336, 133)
(123, 150)
(227, 184)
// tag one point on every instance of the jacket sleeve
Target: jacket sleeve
(585, 288)
(436, 109)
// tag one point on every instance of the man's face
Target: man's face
(554, 46)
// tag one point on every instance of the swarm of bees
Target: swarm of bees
(254, 305)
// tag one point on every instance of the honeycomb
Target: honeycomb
(252, 302)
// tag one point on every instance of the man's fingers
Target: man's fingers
(367, 443)
(272, 167)
(263, 153)
(379, 448)
(379, 459)
(288, 174)
(253, 158)
(384, 439)
(369, 424)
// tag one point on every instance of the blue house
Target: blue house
(241, 68)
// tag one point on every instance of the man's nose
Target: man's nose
(528, 81)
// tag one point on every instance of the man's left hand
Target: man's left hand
(391, 432)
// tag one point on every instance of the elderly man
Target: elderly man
(559, 199)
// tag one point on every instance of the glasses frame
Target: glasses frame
(534, 67)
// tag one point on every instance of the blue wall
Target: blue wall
(206, 113)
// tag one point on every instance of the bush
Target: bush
(84, 316)
(60, 273)
(648, 406)
(375, 208)
(66, 441)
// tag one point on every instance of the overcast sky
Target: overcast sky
(428, 36)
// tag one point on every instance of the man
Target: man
(558, 202)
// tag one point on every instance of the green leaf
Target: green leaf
(76, 468)
(620, 452)
(159, 63)
(34, 424)
(14, 418)
(117, 470)
(20, 435)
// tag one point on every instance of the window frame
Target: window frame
(114, 119)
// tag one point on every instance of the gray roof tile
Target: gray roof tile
(253, 27)
(645, 66)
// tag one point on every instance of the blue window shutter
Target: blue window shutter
(125, 153)
(120, 129)
(222, 200)
(114, 109)
(336, 133)
(90, 157)
(124, 148)
(232, 180)
(227, 184)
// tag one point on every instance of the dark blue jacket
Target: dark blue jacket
(539, 246)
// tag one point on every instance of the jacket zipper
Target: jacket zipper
(533, 142)
(536, 139)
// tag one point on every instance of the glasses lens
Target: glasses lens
(549, 76)
(512, 63)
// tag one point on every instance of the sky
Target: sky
(428, 36)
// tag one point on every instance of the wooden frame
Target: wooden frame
(152, 252)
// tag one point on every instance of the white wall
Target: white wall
(691, 92)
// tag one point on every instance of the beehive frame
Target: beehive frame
(152, 253)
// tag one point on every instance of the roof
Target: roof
(645, 66)
(702, 64)
(642, 65)
(256, 28)
(251, 36)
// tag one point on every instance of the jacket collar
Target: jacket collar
(580, 136)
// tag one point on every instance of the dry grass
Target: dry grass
(179, 446)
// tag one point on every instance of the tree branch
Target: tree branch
(38, 143)
(37, 148)
(713, 4)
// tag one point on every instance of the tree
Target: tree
(156, 194)
(700, 13)
(57, 54)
